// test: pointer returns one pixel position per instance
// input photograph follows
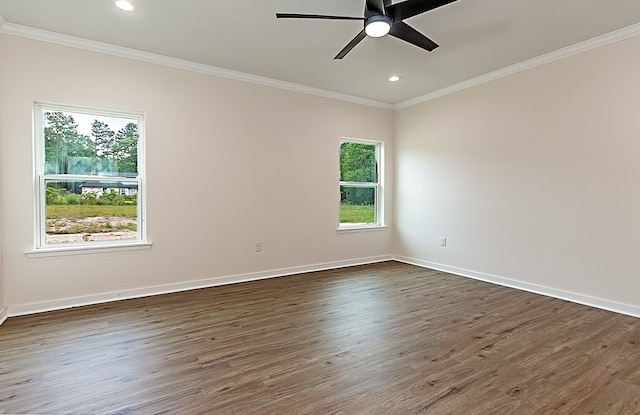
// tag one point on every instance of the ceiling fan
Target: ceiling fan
(382, 18)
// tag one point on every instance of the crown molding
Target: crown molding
(123, 52)
(597, 42)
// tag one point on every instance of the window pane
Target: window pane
(357, 204)
(76, 143)
(84, 211)
(357, 162)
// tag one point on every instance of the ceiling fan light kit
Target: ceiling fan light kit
(381, 17)
(377, 25)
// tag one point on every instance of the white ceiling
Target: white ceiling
(476, 37)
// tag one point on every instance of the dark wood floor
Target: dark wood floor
(388, 338)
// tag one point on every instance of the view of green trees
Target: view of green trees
(104, 152)
(357, 164)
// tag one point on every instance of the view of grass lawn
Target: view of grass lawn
(357, 213)
(90, 211)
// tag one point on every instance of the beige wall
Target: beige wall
(228, 164)
(532, 178)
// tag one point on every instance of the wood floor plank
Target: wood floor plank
(387, 338)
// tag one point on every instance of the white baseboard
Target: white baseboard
(3, 315)
(608, 305)
(22, 309)
(32, 308)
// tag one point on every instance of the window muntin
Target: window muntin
(360, 189)
(89, 177)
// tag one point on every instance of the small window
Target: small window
(89, 177)
(360, 183)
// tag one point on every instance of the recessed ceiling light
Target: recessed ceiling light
(126, 5)
(394, 78)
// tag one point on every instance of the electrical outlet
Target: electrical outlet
(443, 241)
(258, 246)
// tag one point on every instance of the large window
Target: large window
(89, 177)
(360, 183)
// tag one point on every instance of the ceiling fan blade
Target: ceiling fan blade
(403, 31)
(314, 16)
(351, 45)
(373, 7)
(410, 8)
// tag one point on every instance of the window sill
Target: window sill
(84, 249)
(362, 228)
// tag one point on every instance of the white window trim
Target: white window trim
(361, 228)
(105, 247)
(41, 249)
(379, 190)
